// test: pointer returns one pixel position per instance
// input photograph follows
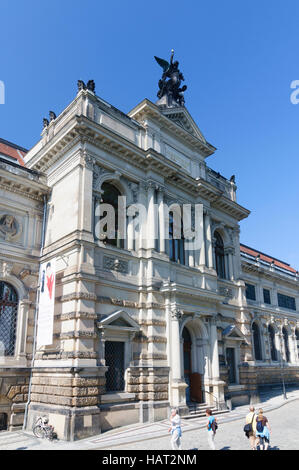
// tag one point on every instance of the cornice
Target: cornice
(257, 269)
(25, 186)
(89, 132)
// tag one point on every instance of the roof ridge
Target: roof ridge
(11, 144)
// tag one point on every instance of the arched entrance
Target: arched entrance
(193, 362)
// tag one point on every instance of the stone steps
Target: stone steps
(198, 410)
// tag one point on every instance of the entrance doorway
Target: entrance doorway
(115, 360)
(231, 363)
(192, 379)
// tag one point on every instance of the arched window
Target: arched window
(8, 319)
(271, 332)
(110, 196)
(286, 344)
(176, 246)
(257, 342)
(219, 255)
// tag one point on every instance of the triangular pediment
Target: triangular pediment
(176, 120)
(119, 319)
(233, 332)
(181, 117)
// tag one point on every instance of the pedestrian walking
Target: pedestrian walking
(250, 428)
(175, 429)
(211, 427)
(263, 430)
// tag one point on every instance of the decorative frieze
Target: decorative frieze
(115, 264)
(226, 292)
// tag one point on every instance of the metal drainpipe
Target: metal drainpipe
(35, 315)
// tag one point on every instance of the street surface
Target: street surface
(282, 415)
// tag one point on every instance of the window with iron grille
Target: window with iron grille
(250, 291)
(267, 298)
(285, 301)
(8, 319)
(115, 361)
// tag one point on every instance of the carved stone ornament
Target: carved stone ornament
(176, 314)
(10, 228)
(5, 268)
(226, 291)
(114, 264)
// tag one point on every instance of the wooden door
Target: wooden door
(195, 387)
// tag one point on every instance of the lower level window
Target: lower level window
(8, 319)
(115, 361)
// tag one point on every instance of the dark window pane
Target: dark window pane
(286, 301)
(257, 342)
(267, 299)
(110, 196)
(176, 246)
(250, 291)
(272, 343)
(219, 256)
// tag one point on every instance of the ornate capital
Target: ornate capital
(176, 314)
(88, 161)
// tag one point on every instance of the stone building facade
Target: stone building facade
(140, 324)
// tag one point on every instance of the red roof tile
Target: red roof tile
(13, 151)
(267, 258)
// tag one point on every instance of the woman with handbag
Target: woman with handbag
(250, 428)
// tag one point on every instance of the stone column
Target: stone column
(97, 203)
(293, 348)
(230, 265)
(142, 200)
(161, 220)
(202, 254)
(214, 350)
(218, 385)
(151, 217)
(208, 234)
(130, 232)
(178, 384)
(22, 320)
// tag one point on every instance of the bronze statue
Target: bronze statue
(170, 91)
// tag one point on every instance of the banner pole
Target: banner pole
(35, 316)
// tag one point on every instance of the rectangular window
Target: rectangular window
(250, 291)
(285, 301)
(267, 298)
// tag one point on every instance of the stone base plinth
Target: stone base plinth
(70, 424)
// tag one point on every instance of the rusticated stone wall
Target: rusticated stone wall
(14, 384)
(149, 383)
(66, 387)
(272, 375)
(253, 377)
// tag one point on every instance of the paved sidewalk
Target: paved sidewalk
(138, 435)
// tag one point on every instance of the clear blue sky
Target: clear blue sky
(238, 58)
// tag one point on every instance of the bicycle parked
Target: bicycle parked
(42, 429)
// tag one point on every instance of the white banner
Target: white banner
(45, 322)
